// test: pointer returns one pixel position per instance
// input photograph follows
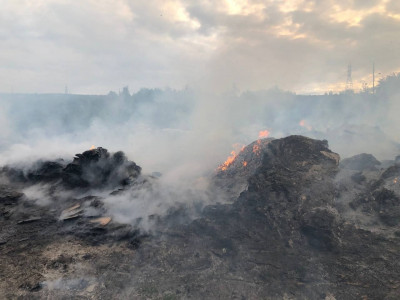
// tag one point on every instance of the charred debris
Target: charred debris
(95, 168)
(299, 224)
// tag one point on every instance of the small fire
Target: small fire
(304, 124)
(395, 180)
(257, 147)
(228, 161)
(244, 163)
(232, 157)
(93, 147)
(263, 134)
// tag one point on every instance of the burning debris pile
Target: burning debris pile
(232, 176)
(251, 153)
(285, 237)
(248, 158)
(300, 225)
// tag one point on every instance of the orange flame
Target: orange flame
(93, 147)
(395, 180)
(257, 147)
(244, 163)
(263, 134)
(230, 160)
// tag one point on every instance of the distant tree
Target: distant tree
(389, 85)
(112, 94)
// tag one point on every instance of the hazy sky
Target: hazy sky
(95, 46)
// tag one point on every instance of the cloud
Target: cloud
(362, 4)
(393, 6)
(97, 46)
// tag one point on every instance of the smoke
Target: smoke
(68, 284)
(145, 204)
(39, 194)
(185, 134)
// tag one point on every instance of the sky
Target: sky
(94, 46)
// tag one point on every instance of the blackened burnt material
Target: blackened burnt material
(98, 168)
(293, 190)
(360, 162)
(281, 239)
(284, 237)
(272, 241)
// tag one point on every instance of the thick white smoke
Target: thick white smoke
(186, 134)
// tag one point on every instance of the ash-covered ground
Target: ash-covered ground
(289, 221)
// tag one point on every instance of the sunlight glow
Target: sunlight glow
(244, 7)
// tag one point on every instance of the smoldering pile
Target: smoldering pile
(95, 168)
(68, 196)
(300, 224)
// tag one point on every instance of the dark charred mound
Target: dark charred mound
(360, 162)
(9, 196)
(71, 227)
(283, 238)
(95, 168)
(288, 235)
(376, 196)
